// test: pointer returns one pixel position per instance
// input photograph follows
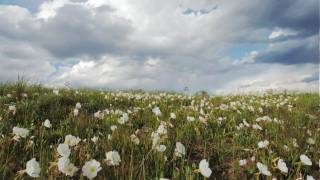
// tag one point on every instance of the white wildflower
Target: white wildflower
(113, 128)
(70, 169)
(91, 169)
(180, 150)
(305, 160)
(63, 162)
(71, 140)
(161, 148)
(155, 138)
(78, 105)
(47, 123)
(134, 139)
(55, 91)
(66, 167)
(223, 107)
(245, 123)
(162, 129)
(109, 137)
(75, 112)
(203, 119)
(33, 168)
(242, 162)
(64, 150)
(123, 119)
(253, 158)
(99, 115)
(204, 168)
(311, 141)
(95, 139)
(282, 166)
(310, 177)
(263, 169)
(20, 132)
(156, 111)
(190, 118)
(295, 143)
(257, 127)
(13, 109)
(173, 116)
(113, 158)
(263, 144)
(264, 118)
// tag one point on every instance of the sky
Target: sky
(213, 45)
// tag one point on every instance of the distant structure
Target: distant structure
(186, 89)
(67, 84)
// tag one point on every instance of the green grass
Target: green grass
(221, 143)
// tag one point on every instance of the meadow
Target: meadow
(66, 133)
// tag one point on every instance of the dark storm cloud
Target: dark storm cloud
(299, 15)
(296, 51)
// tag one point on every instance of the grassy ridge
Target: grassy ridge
(221, 136)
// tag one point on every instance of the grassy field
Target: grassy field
(139, 135)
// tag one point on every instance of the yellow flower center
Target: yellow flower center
(92, 169)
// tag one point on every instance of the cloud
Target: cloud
(275, 76)
(281, 33)
(117, 72)
(172, 74)
(160, 45)
(33, 63)
(311, 78)
(49, 8)
(248, 58)
(87, 33)
(199, 12)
